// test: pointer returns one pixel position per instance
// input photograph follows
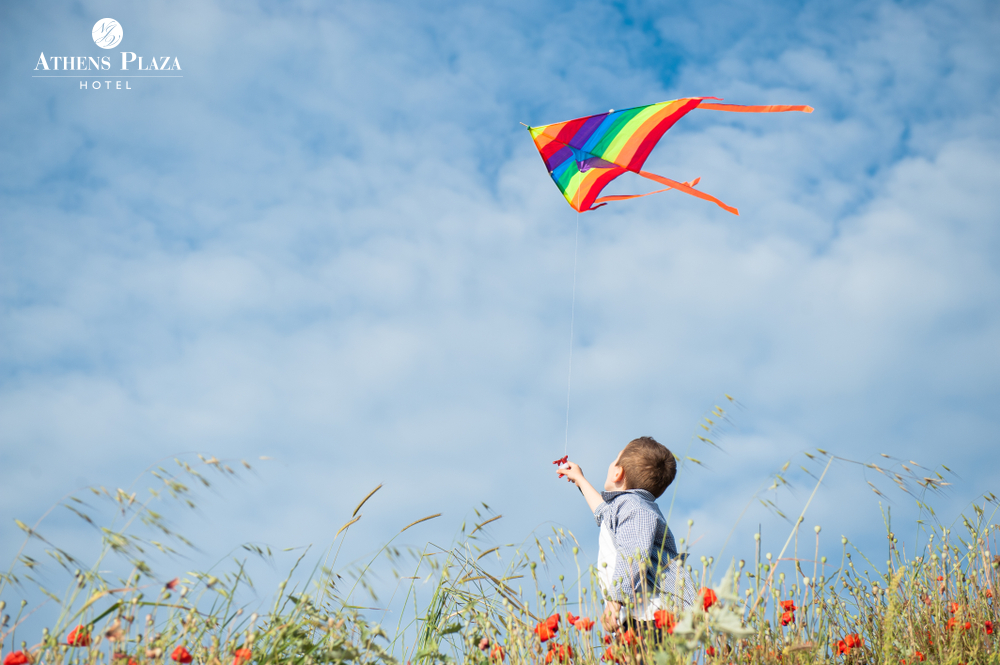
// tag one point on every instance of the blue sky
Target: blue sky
(332, 243)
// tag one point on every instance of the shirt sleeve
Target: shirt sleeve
(634, 541)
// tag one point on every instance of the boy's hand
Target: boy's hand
(609, 620)
(572, 471)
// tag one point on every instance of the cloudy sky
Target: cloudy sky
(331, 243)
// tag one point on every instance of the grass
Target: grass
(473, 604)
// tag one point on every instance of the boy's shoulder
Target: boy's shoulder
(625, 504)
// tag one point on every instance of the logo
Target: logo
(107, 33)
(96, 71)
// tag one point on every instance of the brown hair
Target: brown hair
(648, 465)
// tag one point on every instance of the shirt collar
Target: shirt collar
(643, 494)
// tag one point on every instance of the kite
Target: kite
(584, 155)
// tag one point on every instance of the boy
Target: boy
(637, 560)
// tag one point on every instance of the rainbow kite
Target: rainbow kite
(584, 155)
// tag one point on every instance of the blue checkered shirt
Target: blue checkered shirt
(640, 536)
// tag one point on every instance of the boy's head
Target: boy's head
(644, 464)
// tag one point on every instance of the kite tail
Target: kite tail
(736, 108)
(604, 200)
(673, 184)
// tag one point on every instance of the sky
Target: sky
(330, 242)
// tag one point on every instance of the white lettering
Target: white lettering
(152, 65)
(72, 62)
(165, 64)
(83, 85)
(140, 64)
(55, 61)
(126, 59)
(93, 64)
(107, 84)
(97, 85)
(177, 65)
(119, 86)
(105, 62)
(41, 61)
(126, 86)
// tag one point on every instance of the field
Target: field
(466, 603)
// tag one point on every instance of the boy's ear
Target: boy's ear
(619, 474)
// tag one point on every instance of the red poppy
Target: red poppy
(842, 647)
(79, 637)
(988, 627)
(988, 592)
(553, 622)
(172, 583)
(953, 607)
(611, 656)
(181, 655)
(709, 651)
(584, 624)
(544, 632)
(123, 656)
(559, 652)
(497, 653)
(608, 639)
(16, 658)
(940, 579)
(708, 597)
(788, 605)
(853, 641)
(665, 619)
(571, 618)
(241, 656)
(628, 637)
(787, 618)
(919, 656)
(951, 623)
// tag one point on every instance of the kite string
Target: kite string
(572, 321)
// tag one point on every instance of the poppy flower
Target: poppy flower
(940, 579)
(628, 637)
(988, 592)
(241, 656)
(951, 623)
(571, 618)
(172, 583)
(611, 656)
(953, 607)
(787, 618)
(79, 637)
(842, 647)
(584, 624)
(988, 627)
(708, 597)
(608, 639)
(497, 653)
(665, 620)
(544, 632)
(553, 622)
(709, 651)
(181, 655)
(853, 641)
(788, 605)
(559, 652)
(16, 658)
(919, 656)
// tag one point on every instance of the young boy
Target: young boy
(637, 560)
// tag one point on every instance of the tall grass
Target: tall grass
(466, 602)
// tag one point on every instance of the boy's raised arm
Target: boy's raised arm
(575, 475)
